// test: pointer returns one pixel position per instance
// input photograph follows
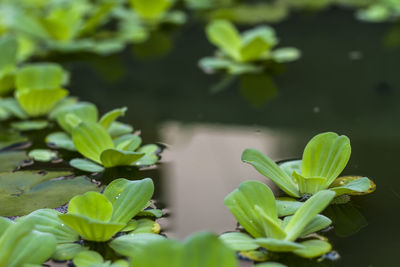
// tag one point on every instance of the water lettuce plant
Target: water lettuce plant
(239, 53)
(21, 245)
(254, 207)
(97, 217)
(324, 158)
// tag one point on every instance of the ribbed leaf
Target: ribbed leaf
(287, 206)
(91, 139)
(313, 248)
(67, 251)
(290, 166)
(107, 119)
(21, 245)
(89, 229)
(47, 221)
(277, 245)
(224, 35)
(150, 155)
(242, 202)
(309, 185)
(85, 111)
(40, 76)
(307, 212)
(115, 157)
(128, 142)
(326, 155)
(318, 223)
(270, 169)
(239, 241)
(92, 205)
(126, 245)
(352, 186)
(128, 197)
(39, 102)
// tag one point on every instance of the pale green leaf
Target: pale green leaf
(91, 139)
(115, 157)
(107, 119)
(89, 229)
(318, 223)
(290, 166)
(326, 155)
(92, 205)
(60, 140)
(43, 155)
(270, 264)
(277, 245)
(128, 244)
(287, 206)
(67, 251)
(285, 54)
(150, 155)
(242, 202)
(307, 212)
(313, 248)
(39, 102)
(128, 197)
(129, 142)
(86, 165)
(118, 128)
(270, 169)
(85, 111)
(359, 185)
(225, 36)
(239, 241)
(29, 125)
(40, 76)
(309, 185)
(87, 258)
(146, 226)
(151, 9)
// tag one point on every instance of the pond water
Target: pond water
(347, 81)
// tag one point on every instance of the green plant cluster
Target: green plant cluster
(39, 99)
(286, 224)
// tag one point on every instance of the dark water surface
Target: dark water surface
(347, 81)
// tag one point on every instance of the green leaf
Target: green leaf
(128, 197)
(90, 229)
(21, 245)
(309, 185)
(257, 42)
(92, 205)
(129, 142)
(270, 264)
(107, 119)
(9, 48)
(151, 9)
(285, 54)
(40, 76)
(12, 106)
(146, 226)
(85, 111)
(290, 166)
(151, 213)
(39, 101)
(43, 155)
(87, 258)
(313, 248)
(287, 206)
(239, 241)
(60, 140)
(29, 125)
(26, 191)
(326, 155)
(205, 249)
(318, 223)
(47, 221)
(225, 36)
(127, 245)
(115, 157)
(67, 251)
(307, 212)
(86, 165)
(277, 245)
(272, 227)
(270, 169)
(150, 155)
(118, 128)
(4, 224)
(359, 185)
(242, 203)
(91, 139)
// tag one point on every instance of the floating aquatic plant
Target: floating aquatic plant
(97, 217)
(239, 53)
(324, 158)
(254, 206)
(21, 245)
